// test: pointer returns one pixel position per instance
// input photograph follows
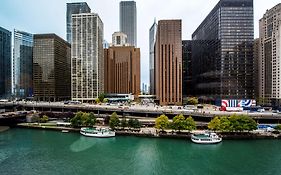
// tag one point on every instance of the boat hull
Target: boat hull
(97, 134)
(206, 142)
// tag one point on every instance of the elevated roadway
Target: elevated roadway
(203, 115)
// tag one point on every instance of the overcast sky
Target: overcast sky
(49, 16)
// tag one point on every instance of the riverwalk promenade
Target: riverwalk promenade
(153, 133)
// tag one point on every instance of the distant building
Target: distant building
(128, 21)
(152, 41)
(51, 68)
(87, 57)
(105, 44)
(145, 88)
(122, 70)
(222, 52)
(168, 62)
(270, 56)
(22, 64)
(187, 68)
(119, 39)
(74, 8)
(5, 63)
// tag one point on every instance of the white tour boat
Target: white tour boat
(64, 131)
(97, 132)
(206, 138)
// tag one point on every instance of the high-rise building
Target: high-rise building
(51, 68)
(122, 70)
(74, 8)
(270, 54)
(128, 21)
(168, 62)
(22, 85)
(5, 63)
(119, 39)
(152, 40)
(222, 52)
(256, 68)
(187, 68)
(87, 57)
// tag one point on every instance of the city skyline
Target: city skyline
(52, 18)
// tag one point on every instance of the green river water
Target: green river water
(39, 152)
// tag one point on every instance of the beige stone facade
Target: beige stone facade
(269, 56)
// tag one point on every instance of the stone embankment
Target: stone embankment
(144, 132)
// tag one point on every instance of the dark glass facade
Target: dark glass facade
(222, 51)
(5, 63)
(51, 68)
(256, 49)
(128, 21)
(22, 64)
(187, 68)
(74, 8)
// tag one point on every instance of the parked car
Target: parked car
(72, 102)
(261, 110)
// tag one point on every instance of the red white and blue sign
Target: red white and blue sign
(238, 103)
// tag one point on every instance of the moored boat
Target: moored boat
(206, 138)
(97, 132)
(64, 131)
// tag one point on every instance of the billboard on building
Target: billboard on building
(238, 103)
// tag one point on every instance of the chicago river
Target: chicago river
(27, 151)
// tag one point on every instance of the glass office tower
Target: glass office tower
(22, 85)
(74, 8)
(51, 68)
(187, 68)
(5, 63)
(222, 52)
(152, 41)
(128, 21)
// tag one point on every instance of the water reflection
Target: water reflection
(84, 143)
(211, 147)
(146, 157)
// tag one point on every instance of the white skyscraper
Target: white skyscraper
(128, 21)
(87, 59)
